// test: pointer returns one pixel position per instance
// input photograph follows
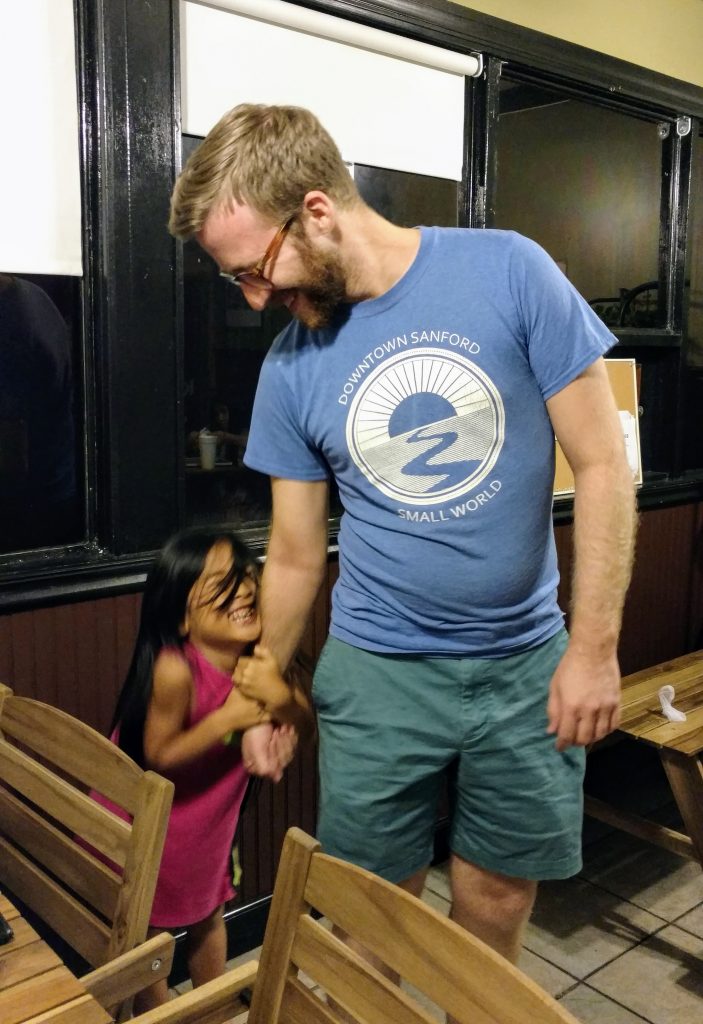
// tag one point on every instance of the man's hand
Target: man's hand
(584, 698)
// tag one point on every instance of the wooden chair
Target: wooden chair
(117, 981)
(455, 970)
(48, 760)
(679, 744)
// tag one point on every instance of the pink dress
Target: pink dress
(196, 867)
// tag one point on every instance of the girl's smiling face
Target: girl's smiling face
(221, 623)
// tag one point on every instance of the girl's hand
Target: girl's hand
(259, 678)
(268, 749)
(258, 753)
(284, 742)
(240, 713)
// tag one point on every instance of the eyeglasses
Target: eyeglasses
(254, 278)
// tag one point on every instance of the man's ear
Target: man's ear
(319, 213)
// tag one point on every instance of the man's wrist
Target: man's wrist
(593, 645)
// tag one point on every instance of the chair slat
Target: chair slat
(211, 1003)
(400, 929)
(65, 741)
(300, 1006)
(131, 972)
(141, 869)
(59, 854)
(351, 981)
(74, 809)
(62, 912)
(287, 905)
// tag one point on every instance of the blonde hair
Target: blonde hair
(267, 157)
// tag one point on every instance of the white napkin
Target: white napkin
(666, 695)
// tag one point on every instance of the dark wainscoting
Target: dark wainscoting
(664, 610)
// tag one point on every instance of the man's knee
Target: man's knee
(486, 895)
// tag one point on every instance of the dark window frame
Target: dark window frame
(129, 87)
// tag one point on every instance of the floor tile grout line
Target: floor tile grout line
(619, 956)
(540, 956)
(675, 923)
(606, 963)
(616, 1002)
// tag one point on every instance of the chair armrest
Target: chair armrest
(132, 971)
(210, 1003)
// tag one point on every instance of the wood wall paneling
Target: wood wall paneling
(663, 615)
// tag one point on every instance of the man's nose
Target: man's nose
(258, 298)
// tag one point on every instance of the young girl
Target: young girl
(176, 714)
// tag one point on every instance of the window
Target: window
(693, 420)
(41, 426)
(585, 182)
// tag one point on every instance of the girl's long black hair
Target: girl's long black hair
(176, 568)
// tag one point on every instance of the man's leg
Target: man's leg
(492, 906)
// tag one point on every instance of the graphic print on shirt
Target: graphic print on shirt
(426, 427)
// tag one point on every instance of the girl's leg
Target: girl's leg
(157, 994)
(207, 948)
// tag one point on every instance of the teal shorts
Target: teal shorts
(391, 725)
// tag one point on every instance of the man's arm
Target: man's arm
(295, 563)
(584, 702)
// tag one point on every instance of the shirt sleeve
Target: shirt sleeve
(277, 444)
(564, 335)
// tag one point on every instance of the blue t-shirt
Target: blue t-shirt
(428, 407)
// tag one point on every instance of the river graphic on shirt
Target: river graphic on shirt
(426, 426)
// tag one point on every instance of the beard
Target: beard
(324, 288)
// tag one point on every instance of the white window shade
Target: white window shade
(39, 172)
(400, 112)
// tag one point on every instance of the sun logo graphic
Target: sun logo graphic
(426, 427)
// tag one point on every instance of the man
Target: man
(428, 371)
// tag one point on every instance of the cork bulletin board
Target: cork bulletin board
(623, 379)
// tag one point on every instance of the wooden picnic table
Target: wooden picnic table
(680, 749)
(34, 983)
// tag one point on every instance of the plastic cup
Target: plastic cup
(208, 448)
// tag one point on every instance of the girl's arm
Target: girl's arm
(168, 744)
(259, 678)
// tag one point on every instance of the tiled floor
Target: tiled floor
(622, 942)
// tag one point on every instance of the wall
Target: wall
(665, 35)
